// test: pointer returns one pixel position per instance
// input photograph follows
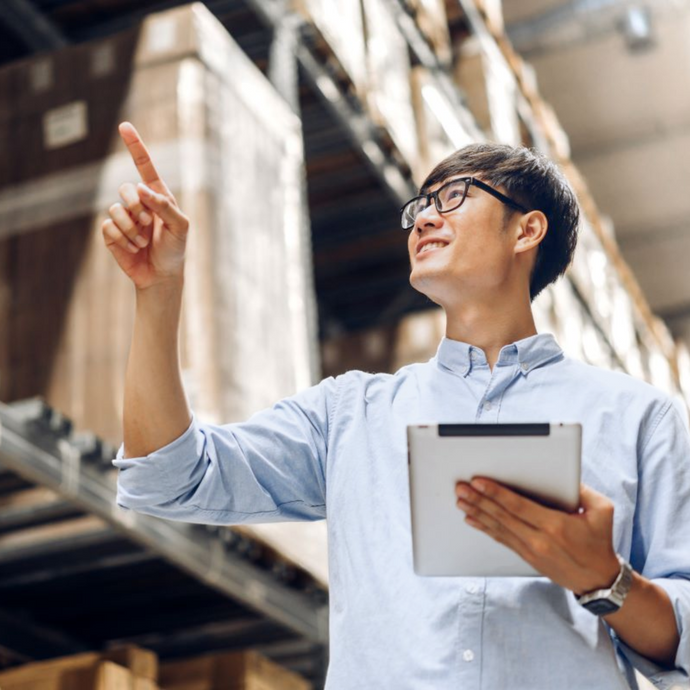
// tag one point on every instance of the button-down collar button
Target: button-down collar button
(468, 655)
(524, 366)
(487, 406)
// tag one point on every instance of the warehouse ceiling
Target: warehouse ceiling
(617, 73)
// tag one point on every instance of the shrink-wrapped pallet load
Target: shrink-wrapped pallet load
(231, 151)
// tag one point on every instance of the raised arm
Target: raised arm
(147, 234)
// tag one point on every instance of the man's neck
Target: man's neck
(490, 325)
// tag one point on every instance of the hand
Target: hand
(151, 217)
(573, 550)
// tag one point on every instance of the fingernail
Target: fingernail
(140, 241)
(479, 485)
(463, 492)
(144, 218)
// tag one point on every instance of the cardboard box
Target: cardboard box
(491, 90)
(99, 675)
(439, 131)
(231, 151)
(124, 668)
(431, 18)
(240, 670)
(389, 95)
(341, 25)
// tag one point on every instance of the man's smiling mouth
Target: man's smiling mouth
(430, 246)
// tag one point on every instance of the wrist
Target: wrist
(603, 578)
(170, 284)
(608, 600)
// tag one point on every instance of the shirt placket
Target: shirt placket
(471, 616)
(490, 402)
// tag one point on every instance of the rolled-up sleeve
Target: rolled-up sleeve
(270, 468)
(661, 533)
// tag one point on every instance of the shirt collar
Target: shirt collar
(527, 354)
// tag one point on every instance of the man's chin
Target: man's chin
(427, 286)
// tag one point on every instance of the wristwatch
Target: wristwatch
(604, 601)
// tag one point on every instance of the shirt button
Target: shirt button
(471, 589)
(487, 406)
(524, 366)
(468, 655)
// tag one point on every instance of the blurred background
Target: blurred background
(290, 131)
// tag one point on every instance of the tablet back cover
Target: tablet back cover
(539, 460)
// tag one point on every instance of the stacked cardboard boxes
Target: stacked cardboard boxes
(231, 151)
(125, 668)
(132, 668)
(242, 670)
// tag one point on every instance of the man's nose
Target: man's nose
(429, 217)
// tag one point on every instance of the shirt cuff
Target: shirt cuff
(661, 677)
(154, 479)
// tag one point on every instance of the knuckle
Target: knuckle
(555, 530)
(471, 510)
(540, 547)
(110, 231)
(490, 490)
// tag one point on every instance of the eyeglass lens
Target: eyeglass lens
(449, 197)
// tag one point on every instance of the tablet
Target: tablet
(541, 461)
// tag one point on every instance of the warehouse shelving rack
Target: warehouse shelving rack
(196, 588)
(78, 530)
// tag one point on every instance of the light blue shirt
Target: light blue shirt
(338, 450)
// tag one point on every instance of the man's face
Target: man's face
(477, 254)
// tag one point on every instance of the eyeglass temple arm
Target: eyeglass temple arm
(497, 194)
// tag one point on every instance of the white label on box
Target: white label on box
(65, 125)
(162, 35)
(41, 75)
(103, 60)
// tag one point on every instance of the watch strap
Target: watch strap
(609, 600)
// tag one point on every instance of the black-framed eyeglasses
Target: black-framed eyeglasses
(449, 197)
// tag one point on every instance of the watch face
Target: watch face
(601, 607)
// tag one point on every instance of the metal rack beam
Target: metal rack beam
(428, 59)
(30, 640)
(356, 123)
(31, 26)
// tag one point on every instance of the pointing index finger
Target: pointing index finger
(139, 153)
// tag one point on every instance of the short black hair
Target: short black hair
(533, 180)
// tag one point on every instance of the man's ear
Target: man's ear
(530, 231)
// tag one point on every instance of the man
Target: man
(493, 226)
